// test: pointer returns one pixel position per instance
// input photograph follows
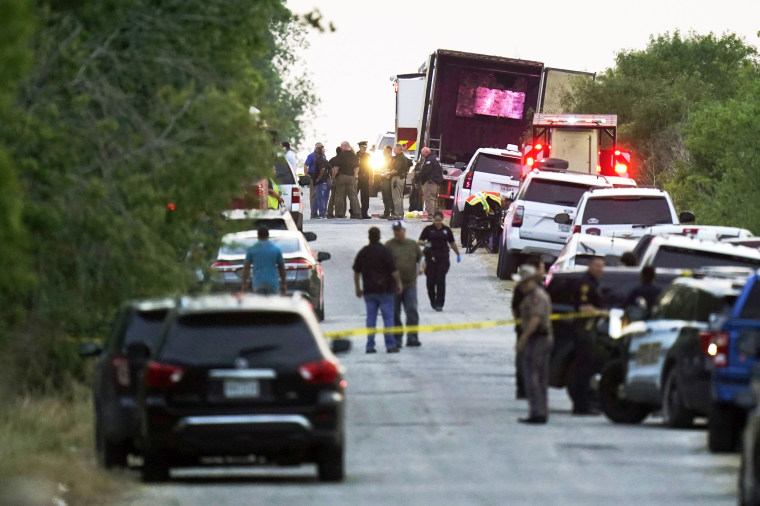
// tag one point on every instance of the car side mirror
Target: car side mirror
(686, 217)
(340, 345)
(562, 219)
(138, 353)
(310, 236)
(322, 256)
(90, 349)
(304, 180)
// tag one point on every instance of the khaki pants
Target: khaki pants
(346, 186)
(535, 359)
(397, 193)
(430, 194)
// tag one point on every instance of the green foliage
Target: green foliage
(655, 91)
(131, 105)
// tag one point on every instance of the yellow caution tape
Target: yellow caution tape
(454, 326)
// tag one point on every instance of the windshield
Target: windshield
(555, 192)
(626, 210)
(274, 338)
(683, 258)
(495, 164)
(240, 246)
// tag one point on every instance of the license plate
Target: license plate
(235, 389)
(231, 276)
(564, 228)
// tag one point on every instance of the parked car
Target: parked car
(290, 189)
(749, 241)
(734, 340)
(749, 470)
(529, 226)
(114, 379)
(623, 212)
(686, 252)
(581, 248)
(490, 169)
(303, 268)
(244, 376)
(667, 366)
(239, 220)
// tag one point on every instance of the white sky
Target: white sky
(351, 67)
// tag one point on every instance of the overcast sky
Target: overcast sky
(352, 67)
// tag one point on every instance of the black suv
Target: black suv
(244, 377)
(114, 392)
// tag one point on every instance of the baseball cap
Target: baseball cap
(397, 224)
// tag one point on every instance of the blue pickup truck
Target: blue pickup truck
(733, 344)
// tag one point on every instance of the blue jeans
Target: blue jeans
(407, 299)
(320, 201)
(384, 302)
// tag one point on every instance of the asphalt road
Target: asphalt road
(437, 424)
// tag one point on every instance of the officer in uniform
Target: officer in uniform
(534, 343)
(365, 178)
(587, 299)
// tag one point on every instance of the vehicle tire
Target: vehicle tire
(330, 463)
(456, 218)
(298, 218)
(675, 414)
(109, 454)
(723, 428)
(507, 264)
(155, 467)
(613, 406)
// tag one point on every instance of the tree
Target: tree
(655, 91)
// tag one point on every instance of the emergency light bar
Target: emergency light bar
(581, 120)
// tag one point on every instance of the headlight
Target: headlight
(378, 160)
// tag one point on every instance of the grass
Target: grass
(47, 453)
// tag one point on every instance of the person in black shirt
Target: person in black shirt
(399, 168)
(380, 279)
(431, 176)
(346, 170)
(331, 201)
(587, 299)
(365, 178)
(646, 290)
(437, 238)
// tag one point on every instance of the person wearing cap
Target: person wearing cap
(517, 297)
(345, 172)
(290, 156)
(431, 176)
(407, 254)
(365, 178)
(309, 166)
(375, 267)
(534, 343)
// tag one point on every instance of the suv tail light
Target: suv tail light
(296, 264)
(320, 372)
(119, 365)
(163, 375)
(576, 229)
(295, 196)
(517, 219)
(715, 344)
(221, 263)
(468, 179)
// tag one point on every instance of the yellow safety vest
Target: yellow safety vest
(274, 202)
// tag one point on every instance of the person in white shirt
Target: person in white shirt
(290, 156)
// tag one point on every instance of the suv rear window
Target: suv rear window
(495, 164)
(555, 192)
(240, 246)
(144, 326)
(751, 309)
(263, 338)
(283, 174)
(616, 210)
(683, 258)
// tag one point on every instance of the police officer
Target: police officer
(431, 176)
(518, 295)
(587, 299)
(534, 343)
(365, 178)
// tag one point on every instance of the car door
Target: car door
(649, 349)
